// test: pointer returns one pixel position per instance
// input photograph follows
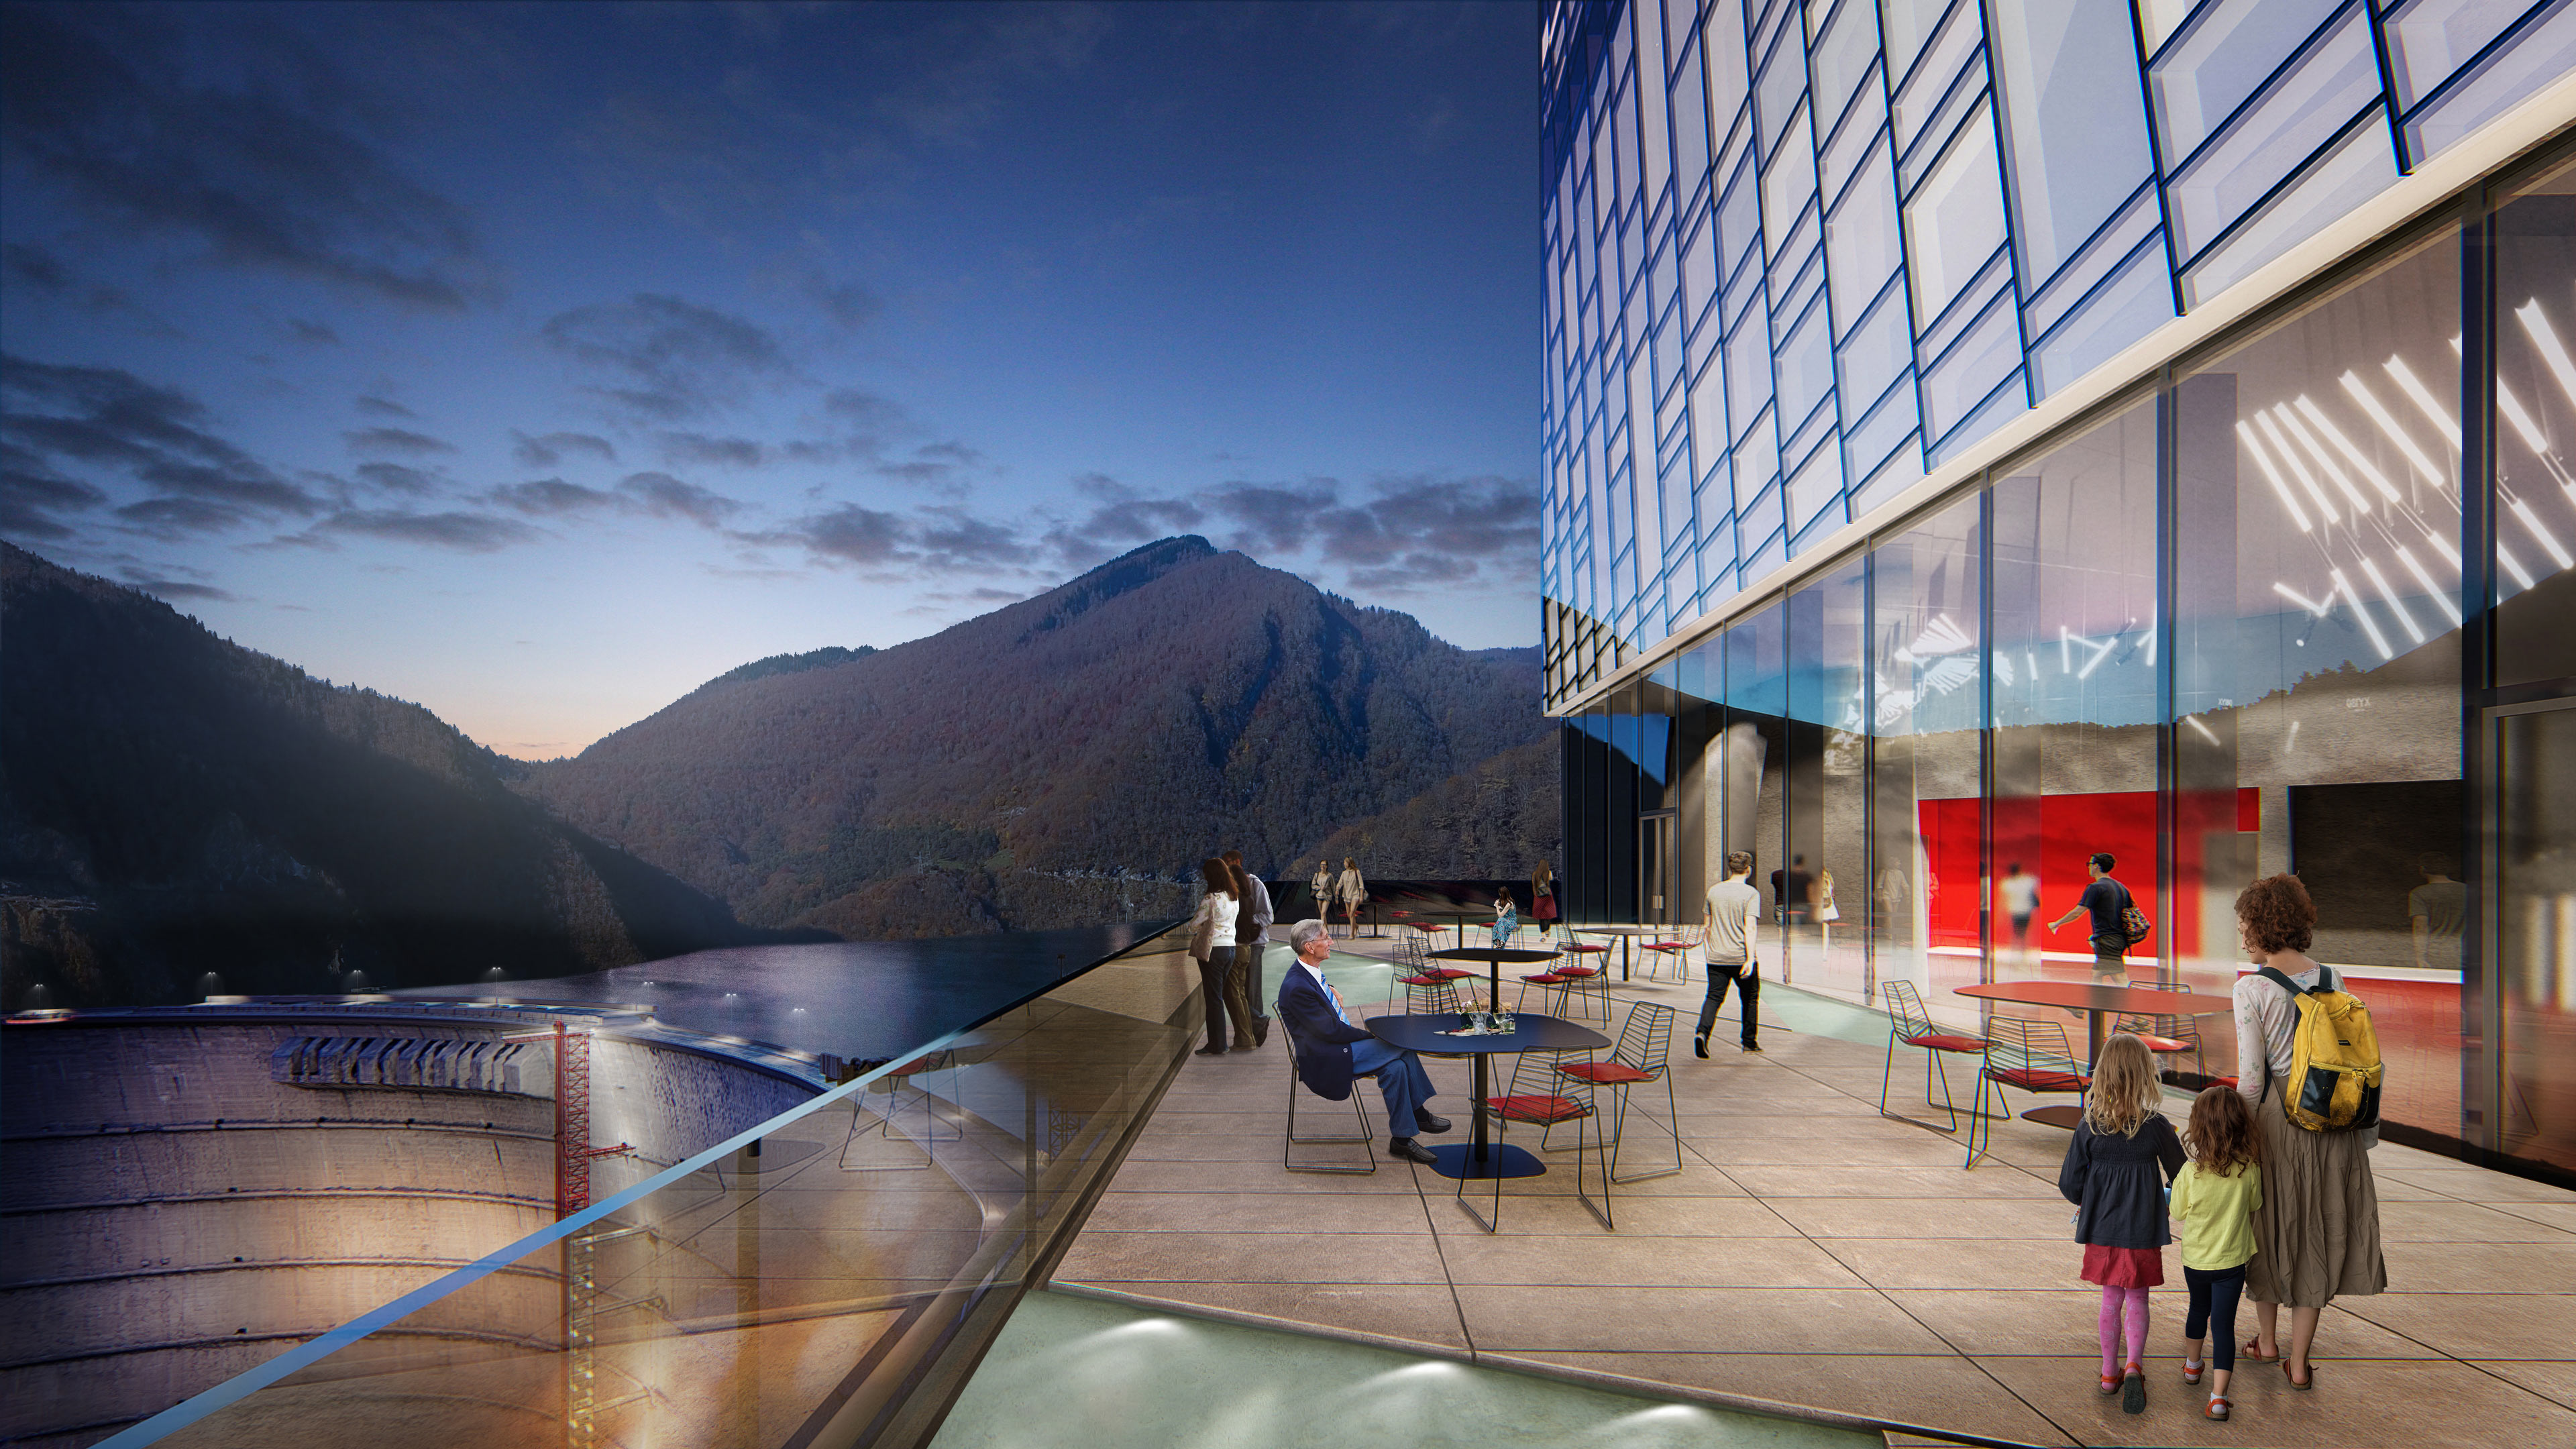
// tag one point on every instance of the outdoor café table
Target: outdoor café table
(2096, 1002)
(1432, 1035)
(1493, 957)
(1625, 935)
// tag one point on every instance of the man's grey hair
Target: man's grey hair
(1305, 931)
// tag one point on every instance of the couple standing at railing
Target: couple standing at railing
(1226, 937)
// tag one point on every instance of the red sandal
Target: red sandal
(2294, 1383)
(2250, 1351)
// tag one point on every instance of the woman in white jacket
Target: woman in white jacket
(1212, 946)
(1350, 890)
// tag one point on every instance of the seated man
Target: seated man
(1331, 1052)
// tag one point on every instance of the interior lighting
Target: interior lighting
(2406, 556)
(2308, 442)
(2299, 470)
(2512, 565)
(2511, 407)
(2254, 445)
(2193, 720)
(2360, 392)
(2441, 545)
(2541, 531)
(2317, 418)
(2424, 400)
(2380, 581)
(2302, 600)
(2552, 351)
(2369, 625)
(1942, 637)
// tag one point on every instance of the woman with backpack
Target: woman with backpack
(2316, 1232)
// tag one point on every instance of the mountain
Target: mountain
(172, 804)
(1493, 822)
(1061, 760)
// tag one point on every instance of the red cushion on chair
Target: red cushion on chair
(1449, 973)
(1944, 1042)
(1425, 979)
(1572, 973)
(2030, 1079)
(1544, 978)
(1586, 950)
(930, 1063)
(1606, 1073)
(1538, 1109)
(2161, 1043)
(1665, 946)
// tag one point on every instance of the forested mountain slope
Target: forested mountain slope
(1062, 760)
(173, 804)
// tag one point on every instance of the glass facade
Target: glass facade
(2301, 599)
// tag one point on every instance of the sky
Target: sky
(537, 363)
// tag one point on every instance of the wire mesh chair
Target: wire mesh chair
(1428, 993)
(1674, 950)
(1908, 1022)
(1641, 1057)
(2165, 1035)
(1359, 1108)
(1539, 1096)
(2031, 1055)
(932, 1133)
(1576, 950)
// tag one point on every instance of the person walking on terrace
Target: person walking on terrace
(1506, 918)
(2021, 902)
(2107, 902)
(1543, 893)
(2316, 1232)
(2214, 1198)
(1332, 1052)
(1212, 946)
(1732, 944)
(1251, 936)
(1351, 889)
(2112, 1175)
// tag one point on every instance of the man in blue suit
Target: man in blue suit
(1331, 1052)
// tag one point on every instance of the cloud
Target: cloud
(166, 588)
(377, 407)
(547, 450)
(314, 332)
(553, 498)
(862, 409)
(31, 494)
(464, 532)
(847, 303)
(94, 100)
(942, 467)
(674, 359)
(395, 478)
(664, 496)
(1121, 519)
(847, 534)
(949, 538)
(698, 448)
(396, 440)
(104, 417)
(173, 519)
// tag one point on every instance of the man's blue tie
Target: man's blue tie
(1335, 997)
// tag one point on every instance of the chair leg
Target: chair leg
(1358, 1108)
(1886, 1074)
(1619, 1135)
(1600, 1210)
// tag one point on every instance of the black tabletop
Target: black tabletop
(1530, 1033)
(1505, 955)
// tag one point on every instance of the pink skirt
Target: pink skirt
(2124, 1267)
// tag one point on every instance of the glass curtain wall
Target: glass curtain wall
(1827, 777)
(2073, 649)
(1751, 781)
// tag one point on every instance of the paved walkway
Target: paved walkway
(1815, 1253)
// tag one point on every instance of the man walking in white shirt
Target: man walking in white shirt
(1734, 930)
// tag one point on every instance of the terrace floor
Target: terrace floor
(1816, 1255)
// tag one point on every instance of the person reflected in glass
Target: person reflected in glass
(1251, 934)
(2439, 911)
(2106, 901)
(2316, 1232)
(1351, 889)
(2021, 902)
(1332, 1051)
(1732, 945)
(1507, 919)
(1212, 946)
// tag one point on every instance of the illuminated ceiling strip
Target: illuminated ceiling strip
(2511, 407)
(2302, 600)
(2441, 545)
(2512, 565)
(2308, 442)
(2360, 392)
(2317, 417)
(2423, 398)
(2193, 720)
(2433, 590)
(2369, 625)
(2380, 580)
(2541, 531)
(2554, 352)
(2298, 470)
(2254, 445)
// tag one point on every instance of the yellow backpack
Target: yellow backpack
(2335, 1069)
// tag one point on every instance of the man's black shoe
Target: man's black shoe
(1411, 1151)
(1699, 1047)
(1428, 1123)
(1754, 1047)
(1261, 1031)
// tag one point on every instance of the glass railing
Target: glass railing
(829, 1277)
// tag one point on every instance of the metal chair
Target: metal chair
(1642, 1056)
(1910, 1023)
(1550, 984)
(2031, 1055)
(1579, 951)
(1358, 1109)
(2165, 1035)
(893, 1083)
(1428, 993)
(1539, 1096)
(1675, 950)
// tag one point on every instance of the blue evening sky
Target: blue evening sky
(539, 362)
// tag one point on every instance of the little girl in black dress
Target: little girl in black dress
(2123, 1156)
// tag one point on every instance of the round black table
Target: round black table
(1494, 958)
(1424, 1035)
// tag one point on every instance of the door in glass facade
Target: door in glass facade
(2533, 964)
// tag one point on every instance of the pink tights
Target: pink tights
(2119, 1306)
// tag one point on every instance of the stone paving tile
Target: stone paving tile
(2475, 1185)
(2437, 1403)
(1240, 1257)
(2554, 1381)
(1413, 1313)
(1938, 1390)
(1690, 1320)
(1598, 1260)
(2477, 1325)
(2055, 1321)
